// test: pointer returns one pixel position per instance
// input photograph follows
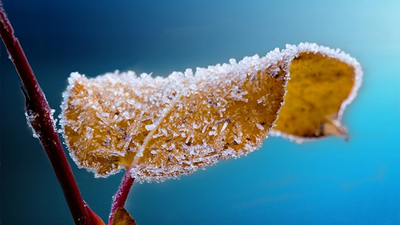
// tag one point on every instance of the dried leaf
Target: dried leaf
(122, 217)
(322, 83)
(164, 127)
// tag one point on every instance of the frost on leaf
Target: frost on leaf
(162, 128)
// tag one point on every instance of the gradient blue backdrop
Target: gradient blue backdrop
(325, 182)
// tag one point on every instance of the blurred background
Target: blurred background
(330, 181)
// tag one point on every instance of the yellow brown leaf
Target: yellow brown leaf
(322, 82)
(165, 127)
(162, 128)
(122, 217)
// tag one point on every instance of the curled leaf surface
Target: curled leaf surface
(322, 83)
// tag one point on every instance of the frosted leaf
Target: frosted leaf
(192, 120)
(162, 128)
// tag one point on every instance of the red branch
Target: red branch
(121, 195)
(40, 118)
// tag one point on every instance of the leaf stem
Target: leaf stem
(120, 197)
(39, 116)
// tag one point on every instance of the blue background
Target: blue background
(325, 182)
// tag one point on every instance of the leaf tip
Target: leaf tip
(333, 127)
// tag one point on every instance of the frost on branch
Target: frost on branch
(164, 127)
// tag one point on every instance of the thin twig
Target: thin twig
(120, 197)
(39, 115)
